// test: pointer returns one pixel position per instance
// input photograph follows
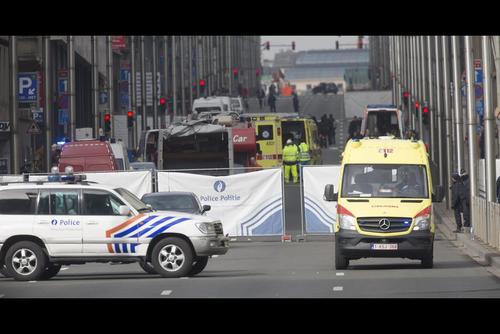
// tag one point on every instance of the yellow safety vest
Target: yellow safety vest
(304, 152)
(290, 153)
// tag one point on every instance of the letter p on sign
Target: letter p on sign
(24, 83)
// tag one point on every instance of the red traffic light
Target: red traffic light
(416, 105)
(163, 101)
(202, 82)
(107, 117)
(235, 71)
(425, 110)
(406, 94)
(130, 114)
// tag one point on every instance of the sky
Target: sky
(303, 43)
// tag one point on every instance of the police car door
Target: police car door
(102, 218)
(58, 222)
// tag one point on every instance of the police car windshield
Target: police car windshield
(133, 200)
(385, 181)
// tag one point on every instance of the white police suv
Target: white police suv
(44, 225)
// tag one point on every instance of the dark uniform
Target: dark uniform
(456, 202)
(464, 197)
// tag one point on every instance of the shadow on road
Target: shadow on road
(416, 265)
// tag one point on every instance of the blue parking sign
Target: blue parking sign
(27, 87)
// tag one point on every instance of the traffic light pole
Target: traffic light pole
(111, 96)
(95, 86)
(438, 109)
(14, 130)
(71, 88)
(47, 98)
(457, 104)
(133, 78)
(471, 116)
(165, 73)
(174, 79)
(447, 110)
(155, 82)
(143, 87)
(432, 109)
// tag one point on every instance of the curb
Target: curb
(475, 249)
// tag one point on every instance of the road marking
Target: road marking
(1, 296)
(339, 274)
(166, 292)
(184, 278)
(215, 255)
(64, 268)
(32, 282)
(338, 288)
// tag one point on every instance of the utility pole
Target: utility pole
(71, 88)
(432, 109)
(190, 55)
(133, 97)
(48, 99)
(447, 110)
(174, 77)
(438, 109)
(165, 73)
(471, 116)
(457, 104)
(183, 84)
(95, 85)
(111, 95)
(143, 87)
(155, 83)
(14, 120)
(489, 122)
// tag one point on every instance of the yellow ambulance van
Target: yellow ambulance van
(273, 130)
(384, 201)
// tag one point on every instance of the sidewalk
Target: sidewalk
(476, 249)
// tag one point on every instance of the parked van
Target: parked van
(121, 155)
(384, 201)
(88, 156)
(382, 120)
(207, 107)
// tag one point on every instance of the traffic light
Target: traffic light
(406, 95)
(107, 122)
(130, 119)
(416, 107)
(162, 103)
(268, 45)
(257, 73)
(202, 86)
(293, 46)
(235, 74)
(425, 115)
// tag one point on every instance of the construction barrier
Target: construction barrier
(318, 216)
(249, 204)
(486, 221)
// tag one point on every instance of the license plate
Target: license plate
(385, 246)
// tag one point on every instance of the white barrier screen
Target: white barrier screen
(319, 215)
(249, 204)
(138, 183)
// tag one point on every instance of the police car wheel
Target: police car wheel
(199, 265)
(25, 261)
(3, 270)
(148, 267)
(172, 257)
(51, 271)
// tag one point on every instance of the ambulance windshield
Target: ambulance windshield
(385, 181)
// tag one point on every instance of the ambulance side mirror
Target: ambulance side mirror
(437, 196)
(124, 210)
(330, 195)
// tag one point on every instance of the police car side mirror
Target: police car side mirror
(437, 196)
(124, 210)
(330, 195)
(206, 208)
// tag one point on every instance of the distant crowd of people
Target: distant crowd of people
(326, 130)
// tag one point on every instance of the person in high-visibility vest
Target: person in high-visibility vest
(304, 155)
(290, 157)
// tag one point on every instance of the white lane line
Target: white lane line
(339, 274)
(1, 296)
(166, 292)
(338, 288)
(184, 278)
(32, 282)
(215, 255)
(64, 268)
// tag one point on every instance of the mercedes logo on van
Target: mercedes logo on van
(384, 224)
(219, 186)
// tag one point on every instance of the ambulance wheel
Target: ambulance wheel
(199, 265)
(25, 261)
(3, 270)
(172, 257)
(341, 262)
(147, 267)
(51, 271)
